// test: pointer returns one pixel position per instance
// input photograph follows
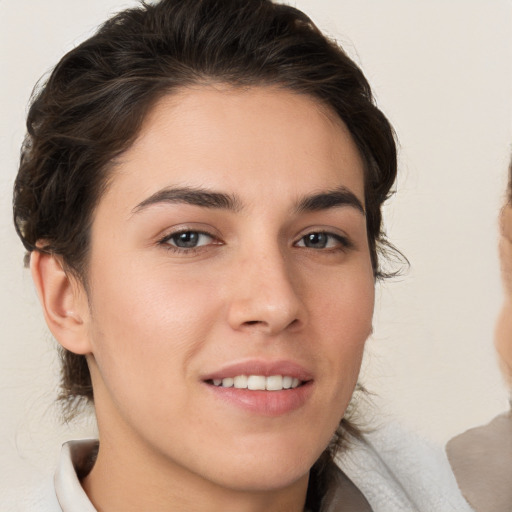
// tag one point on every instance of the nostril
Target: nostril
(251, 323)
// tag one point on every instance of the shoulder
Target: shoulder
(481, 459)
(398, 471)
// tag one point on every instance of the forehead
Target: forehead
(241, 140)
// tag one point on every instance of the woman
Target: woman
(482, 457)
(200, 194)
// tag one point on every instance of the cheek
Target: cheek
(344, 316)
(145, 327)
(346, 305)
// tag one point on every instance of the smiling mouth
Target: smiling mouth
(258, 382)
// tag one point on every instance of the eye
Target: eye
(188, 239)
(322, 240)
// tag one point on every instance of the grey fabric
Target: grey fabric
(344, 496)
(481, 459)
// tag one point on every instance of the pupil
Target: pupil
(316, 240)
(188, 239)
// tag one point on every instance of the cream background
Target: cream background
(442, 72)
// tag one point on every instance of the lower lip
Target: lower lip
(265, 403)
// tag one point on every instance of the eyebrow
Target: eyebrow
(194, 196)
(205, 198)
(336, 198)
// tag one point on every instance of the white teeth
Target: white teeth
(241, 381)
(274, 383)
(227, 382)
(256, 382)
(259, 382)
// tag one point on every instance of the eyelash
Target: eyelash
(344, 242)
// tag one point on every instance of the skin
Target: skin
(155, 320)
(503, 338)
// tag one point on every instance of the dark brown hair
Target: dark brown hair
(91, 108)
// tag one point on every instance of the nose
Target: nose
(265, 295)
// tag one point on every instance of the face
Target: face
(230, 287)
(503, 338)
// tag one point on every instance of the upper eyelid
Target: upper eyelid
(184, 228)
(181, 231)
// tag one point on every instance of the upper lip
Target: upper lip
(260, 367)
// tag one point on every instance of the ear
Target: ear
(64, 302)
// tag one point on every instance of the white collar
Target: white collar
(71, 496)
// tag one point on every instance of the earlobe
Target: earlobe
(63, 301)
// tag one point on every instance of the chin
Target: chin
(269, 468)
(265, 477)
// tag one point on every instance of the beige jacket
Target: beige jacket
(481, 459)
